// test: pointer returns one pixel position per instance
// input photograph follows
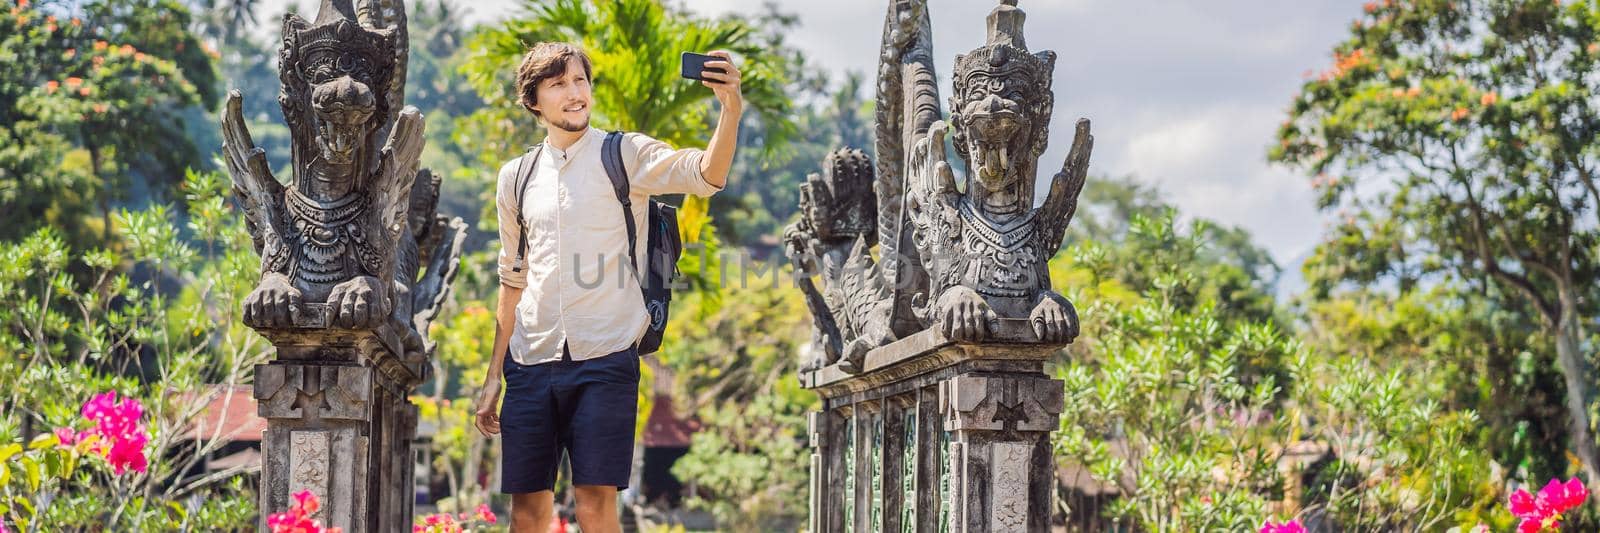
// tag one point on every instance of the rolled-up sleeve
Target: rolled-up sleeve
(654, 167)
(513, 272)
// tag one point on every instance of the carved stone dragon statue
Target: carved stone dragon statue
(342, 246)
(969, 261)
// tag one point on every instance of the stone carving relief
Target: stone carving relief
(996, 403)
(308, 462)
(1008, 506)
(313, 392)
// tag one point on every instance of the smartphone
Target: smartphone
(694, 65)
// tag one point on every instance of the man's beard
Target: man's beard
(570, 126)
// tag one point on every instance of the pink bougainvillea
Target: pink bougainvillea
(118, 435)
(298, 518)
(1543, 511)
(1292, 526)
(445, 523)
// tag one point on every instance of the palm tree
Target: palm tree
(635, 47)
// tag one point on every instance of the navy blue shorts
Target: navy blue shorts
(586, 408)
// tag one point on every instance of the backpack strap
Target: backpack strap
(611, 158)
(525, 170)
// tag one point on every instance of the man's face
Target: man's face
(564, 100)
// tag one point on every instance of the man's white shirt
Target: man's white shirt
(576, 287)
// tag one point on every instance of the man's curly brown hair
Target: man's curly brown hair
(546, 60)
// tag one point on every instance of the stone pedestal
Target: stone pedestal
(935, 435)
(339, 425)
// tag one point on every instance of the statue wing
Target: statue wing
(1062, 201)
(397, 169)
(428, 298)
(258, 191)
(908, 104)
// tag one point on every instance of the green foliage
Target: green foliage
(1483, 356)
(750, 469)
(734, 369)
(106, 82)
(1457, 142)
(1403, 462)
(1172, 403)
(1199, 418)
(75, 323)
(460, 451)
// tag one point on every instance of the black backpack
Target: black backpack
(661, 249)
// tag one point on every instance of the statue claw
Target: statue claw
(359, 303)
(1054, 319)
(963, 314)
(273, 303)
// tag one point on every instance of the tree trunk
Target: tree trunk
(105, 193)
(1580, 387)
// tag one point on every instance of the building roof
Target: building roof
(230, 415)
(664, 428)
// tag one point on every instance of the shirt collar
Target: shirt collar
(588, 133)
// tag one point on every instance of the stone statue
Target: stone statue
(838, 221)
(340, 246)
(936, 411)
(968, 261)
(987, 246)
(355, 265)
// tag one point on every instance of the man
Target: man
(570, 313)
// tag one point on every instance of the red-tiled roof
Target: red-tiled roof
(230, 415)
(664, 429)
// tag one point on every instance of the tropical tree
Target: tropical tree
(105, 77)
(1458, 140)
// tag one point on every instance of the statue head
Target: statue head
(1000, 110)
(336, 82)
(341, 110)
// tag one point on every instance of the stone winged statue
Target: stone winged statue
(970, 262)
(343, 244)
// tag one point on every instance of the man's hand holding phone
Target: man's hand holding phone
(717, 71)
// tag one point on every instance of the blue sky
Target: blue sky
(1183, 94)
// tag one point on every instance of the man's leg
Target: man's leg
(605, 396)
(529, 450)
(597, 509)
(532, 512)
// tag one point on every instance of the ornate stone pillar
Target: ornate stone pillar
(339, 425)
(999, 450)
(935, 435)
(930, 353)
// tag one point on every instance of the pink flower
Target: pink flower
(298, 518)
(1292, 526)
(66, 437)
(118, 434)
(485, 514)
(1544, 511)
(559, 525)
